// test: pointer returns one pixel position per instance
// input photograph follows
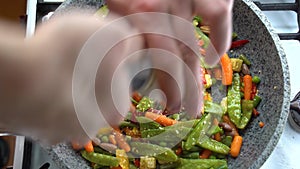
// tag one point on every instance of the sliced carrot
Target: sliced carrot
(217, 137)
(205, 154)
(247, 87)
(136, 96)
(236, 145)
(227, 71)
(89, 146)
(121, 141)
(76, 145)
(161, 119)
(261, 124)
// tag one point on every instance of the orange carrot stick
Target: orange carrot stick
(112, 139)
(227, 71)
(247, 87)
(236, 145)
(217, 137)
(205, 154)
(122, 142)
(161, 119)
(89, 146)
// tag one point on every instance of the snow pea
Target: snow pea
(104, 160)
(160, 153)
(211, 107)
(213, 145)
(146, 123)
(202, 164)
(234, 100)
(247, 108)
(199, 131)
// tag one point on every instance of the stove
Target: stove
(283, 16)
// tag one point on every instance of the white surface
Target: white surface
(19, 150)
(287, 152)
(31, 17)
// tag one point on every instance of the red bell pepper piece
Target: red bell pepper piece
(238, 43)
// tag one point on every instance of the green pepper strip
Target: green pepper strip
(234, 100)
(101, 159)
(202, 164)
(160, 153)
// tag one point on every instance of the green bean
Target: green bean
(256, 101)
(101, 151)
(202, 164)
(245, 59)
(160, 153)
(227, 140)
(101, 159)
(191, 155)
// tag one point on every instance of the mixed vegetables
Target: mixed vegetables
(150, 137)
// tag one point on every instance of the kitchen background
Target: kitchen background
(25, 154)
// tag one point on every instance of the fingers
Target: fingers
(218, 15)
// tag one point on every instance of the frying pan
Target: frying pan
(268, 61)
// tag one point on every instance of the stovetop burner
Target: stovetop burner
(295, 6)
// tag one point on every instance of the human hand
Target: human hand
(43, 107)
(216, 14)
